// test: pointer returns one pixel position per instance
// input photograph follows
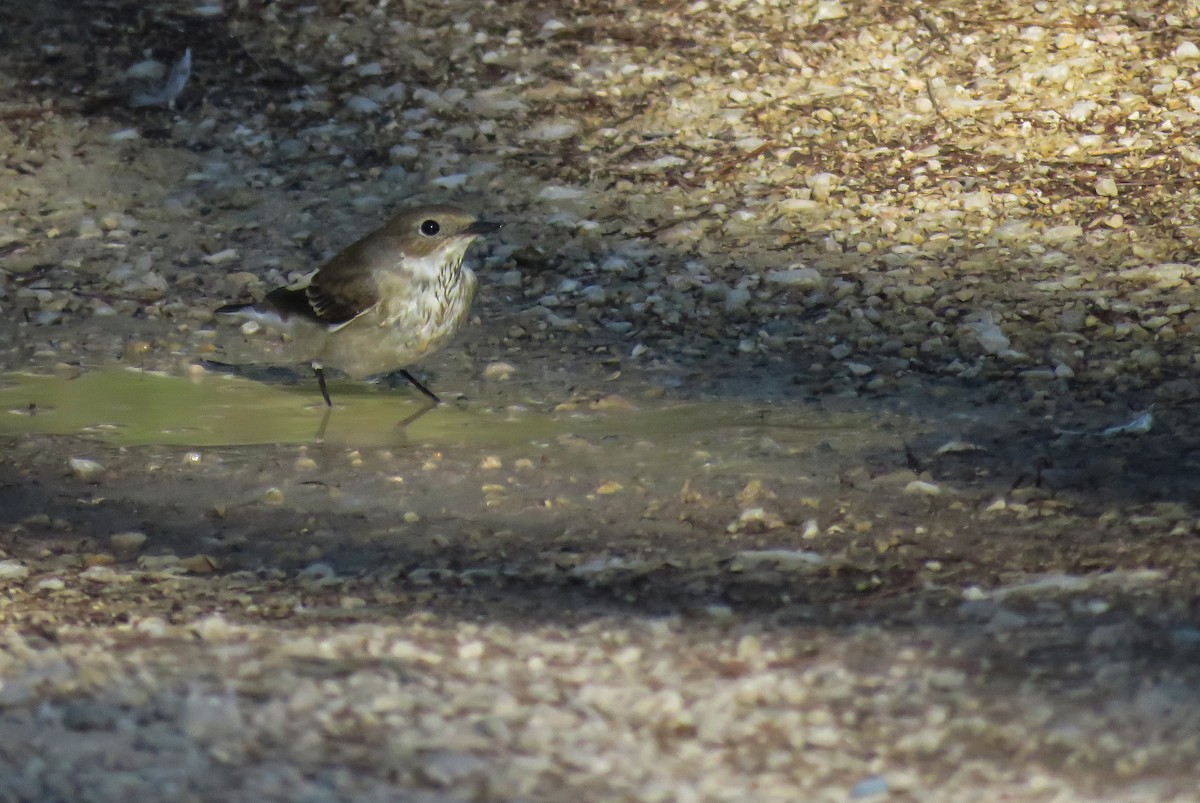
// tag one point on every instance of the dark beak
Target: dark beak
(480, 227)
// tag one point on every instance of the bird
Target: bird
(382, 304)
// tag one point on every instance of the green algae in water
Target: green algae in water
(130, 406)
(134, 407)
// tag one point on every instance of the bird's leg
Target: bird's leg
(321, 381)
(429, 394)
(320, 436)
(425, 408)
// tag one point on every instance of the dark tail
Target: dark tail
(281, 304)
(259, 373)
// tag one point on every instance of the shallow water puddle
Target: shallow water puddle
(131, 407)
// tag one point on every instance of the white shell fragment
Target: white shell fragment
(171, 89)
(1139, 425)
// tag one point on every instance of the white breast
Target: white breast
(416, 316)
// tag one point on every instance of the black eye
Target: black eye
(430, 228)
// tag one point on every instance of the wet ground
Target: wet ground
(762, 475)
(902, 601)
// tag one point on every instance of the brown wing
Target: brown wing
(336, 302)
(344, 287)
(331, 306)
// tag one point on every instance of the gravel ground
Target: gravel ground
(909, 288)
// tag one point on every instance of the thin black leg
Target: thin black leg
(425, 408)
(321, 381)
(320, 436)
(412, 379)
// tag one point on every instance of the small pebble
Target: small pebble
(362, 105)
(11, 570)
(104, 575)
(85, 468)
(128, 542)
(874, 786)
(223, 257)
(922, 488)
(317, 572)
(1187, 51)
(498, 371)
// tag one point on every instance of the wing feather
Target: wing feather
(345, 286)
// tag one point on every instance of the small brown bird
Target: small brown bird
(387, 301)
